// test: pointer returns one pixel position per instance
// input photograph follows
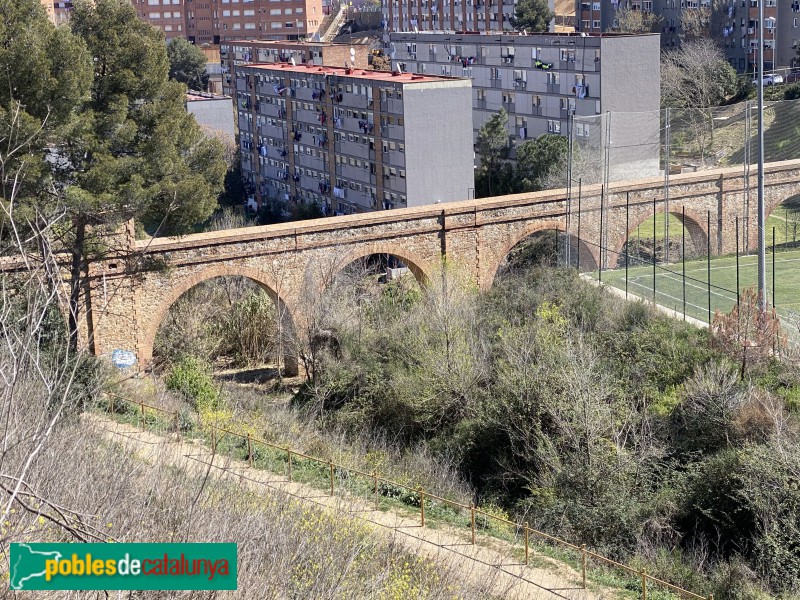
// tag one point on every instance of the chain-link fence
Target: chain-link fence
(687, 262)
(617, 146)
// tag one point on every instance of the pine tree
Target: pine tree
(97, 101)
(532, 15)
(187, 64)
(492, 146)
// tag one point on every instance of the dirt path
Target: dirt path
(548, 580)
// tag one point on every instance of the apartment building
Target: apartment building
(545, 80)
(460, 15)
(213, 21)
(599, 16)
(731, 23)
(353, 140)
(739, 22)
(235, 53)
(167, 15)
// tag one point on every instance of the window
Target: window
(154, 15)
(274, 25)
(553, 126)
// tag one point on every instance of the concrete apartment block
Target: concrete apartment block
(242, 52)
(353, 140)
(544, 80)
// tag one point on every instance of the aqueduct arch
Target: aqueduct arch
(176, 289)
(588, 256)
(694, 224)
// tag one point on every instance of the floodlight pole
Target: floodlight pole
(762, 259)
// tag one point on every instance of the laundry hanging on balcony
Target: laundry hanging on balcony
(543, 65)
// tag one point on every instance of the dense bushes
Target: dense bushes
(595, 418)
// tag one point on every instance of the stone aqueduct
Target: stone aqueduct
(126, 302)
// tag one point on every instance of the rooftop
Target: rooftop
(281, 43)
(202, 96)
(394, 77)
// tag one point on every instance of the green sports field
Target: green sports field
(722, 288)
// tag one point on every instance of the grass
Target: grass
(722, 287)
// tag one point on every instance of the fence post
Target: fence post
(112, 405)
(249, 451)
(644, 584)
(289, 462)
(422, 506)
(527, 532)
(331, 470)
(144, 421)
(583, 565)
(472, 520)
(375, 482)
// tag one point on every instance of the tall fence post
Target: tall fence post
(289, 463)
(655, 250)
(583, 565)
(112, 405)
(737, 260)
(683, 257)
(527, 534)
(249, 451)
(422, 506)
(472, 520)
(330, 464)
(144, 421)
(708, 262)
(375, 482)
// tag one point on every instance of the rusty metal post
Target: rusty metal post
(249, 451)
(583, 564)
(472, 519)
(527, 533)
(422, 505)
(644, 584)
(289, 462)
(331, 469)
(144, 422)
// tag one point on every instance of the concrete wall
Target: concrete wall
(216, 114)
(440, 120)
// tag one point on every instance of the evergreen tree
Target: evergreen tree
(536, 158)
(96, 97)
(46, 74)
(532, 15)
(492, 146)
(187, 64)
